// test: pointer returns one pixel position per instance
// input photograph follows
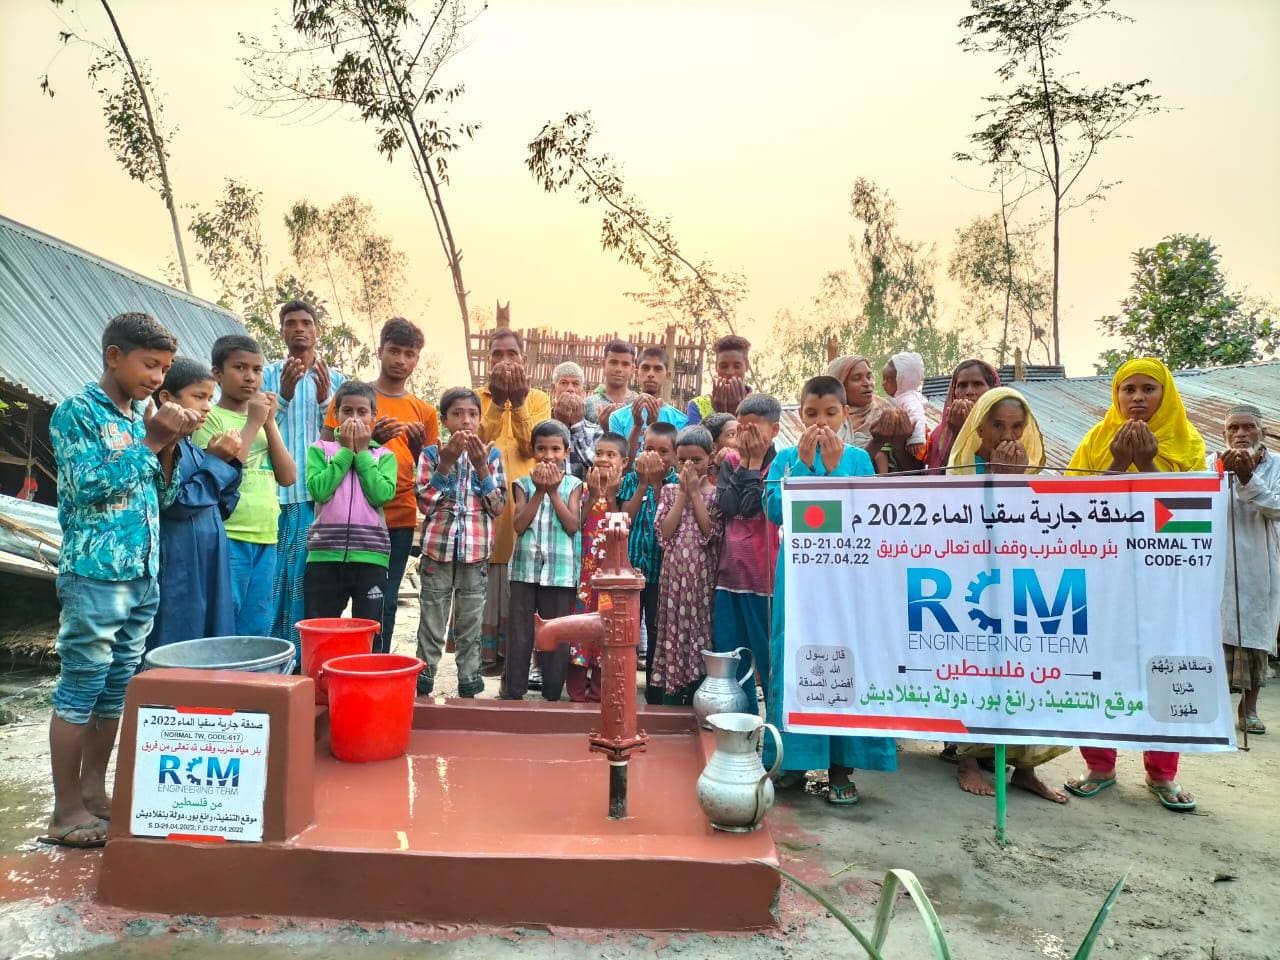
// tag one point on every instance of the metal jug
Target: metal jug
(734, 790)
(722, 691)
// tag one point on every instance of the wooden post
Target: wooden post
(669, 344)
(833, 348)
(1019, 374)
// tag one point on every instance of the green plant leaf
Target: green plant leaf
(1086, 947)
(836, 912)
(884, 911)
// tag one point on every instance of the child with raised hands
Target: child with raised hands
(546, 561)
(349, 479)
(689, 531)
(819, 453)
(197, 598)
(638, 497)
(603, 481)
(461, 491)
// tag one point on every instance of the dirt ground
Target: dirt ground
(1200, 886)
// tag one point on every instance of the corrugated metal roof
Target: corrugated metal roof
(1067, 408)
(55, 299)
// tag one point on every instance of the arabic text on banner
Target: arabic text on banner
(199, 772)
(1008, 609)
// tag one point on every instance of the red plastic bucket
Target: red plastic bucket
(370, 705)
(324, 638)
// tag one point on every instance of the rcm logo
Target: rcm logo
(929, 591)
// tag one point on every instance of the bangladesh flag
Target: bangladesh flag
(1184, 515)
(816, 516)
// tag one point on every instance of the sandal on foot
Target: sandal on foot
(1088, 787)
(843, 794)
(1167, 794)
(61, 839)
(1252, 724)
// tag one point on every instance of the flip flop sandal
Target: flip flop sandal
(1089, 787)
(1167, 795)
(843, 794)
(60, 839)
(1252, 724)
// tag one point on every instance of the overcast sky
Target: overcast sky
(745, 122)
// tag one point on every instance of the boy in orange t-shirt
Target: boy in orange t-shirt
(404, 426)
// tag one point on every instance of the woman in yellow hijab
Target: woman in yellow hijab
(1000, 435)
(1146, 430)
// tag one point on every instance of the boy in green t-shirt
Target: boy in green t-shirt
(251, 530)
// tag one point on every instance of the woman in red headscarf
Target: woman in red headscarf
(970, 380)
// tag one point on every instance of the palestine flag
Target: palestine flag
(816, 516)
(1184, 515)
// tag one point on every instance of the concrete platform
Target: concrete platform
(496, 816)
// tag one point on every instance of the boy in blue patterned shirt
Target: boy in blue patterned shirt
(115, 474)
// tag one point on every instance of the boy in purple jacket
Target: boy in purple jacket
(349, 479)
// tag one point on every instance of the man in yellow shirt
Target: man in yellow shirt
(509, 410)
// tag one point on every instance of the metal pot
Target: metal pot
(734, 790)
(722, 691)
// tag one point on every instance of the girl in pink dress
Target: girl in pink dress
(689, 531)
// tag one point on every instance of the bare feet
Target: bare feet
(972, 779)
(99, 806)
(1027, 779)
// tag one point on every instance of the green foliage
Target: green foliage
(377, 58)
(1002, 280)
(900, 310)
(1180, 310)
(1041, 123)
(699, 300)
(939, 949)
(364, 270)
(887, 303)
(132, 112)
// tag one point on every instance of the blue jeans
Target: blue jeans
(101, 636)
(401, 542)
(253, 571)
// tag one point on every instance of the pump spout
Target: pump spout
(550, 635)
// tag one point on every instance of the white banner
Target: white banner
(199, 772)
(1008, 609)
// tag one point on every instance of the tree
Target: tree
(230, 243)
(379, 58)
(1041, 122)
(900, 308)
(703, 299)
(132, 112)
(798, 340)
(999, 273)
(363, 268)
(1180, 310)
(885, 304)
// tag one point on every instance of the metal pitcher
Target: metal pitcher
(722, 691)
(734, 790)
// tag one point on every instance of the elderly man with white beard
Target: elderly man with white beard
(1253, 566)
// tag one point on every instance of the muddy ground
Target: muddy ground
(1200, 886)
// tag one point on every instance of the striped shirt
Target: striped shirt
(544, 554)
(643, 549)
(460, 507)
(299, 420)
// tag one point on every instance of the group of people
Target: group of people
(244, 496)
